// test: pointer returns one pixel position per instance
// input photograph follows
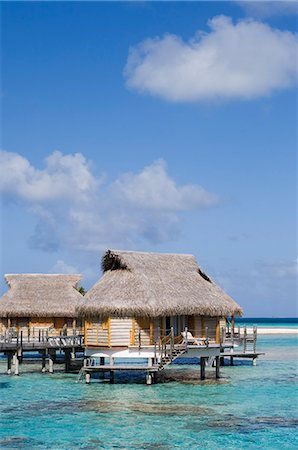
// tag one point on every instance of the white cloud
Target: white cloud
(269, 8)
(243, 60)
(282, 269)
(153, 188)
(76, 210)
(61, 267)
(64, 176)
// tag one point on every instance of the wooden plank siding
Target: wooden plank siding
(96, 333)
(120, 332)
(142, 326)
(33, 325)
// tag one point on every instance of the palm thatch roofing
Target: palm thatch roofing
(40, 295)
(153, 284)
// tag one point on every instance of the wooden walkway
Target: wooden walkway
(14, 348)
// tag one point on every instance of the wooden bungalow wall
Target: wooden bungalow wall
(33, 325)
(124, 332)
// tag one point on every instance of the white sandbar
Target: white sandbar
(268, 330)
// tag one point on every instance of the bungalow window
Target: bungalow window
(175, 325)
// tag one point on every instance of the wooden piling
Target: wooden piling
(245, 339)
(102, 363)
(255, 339)
(16, 364)
(149, 379)
(43, 361)
(217, 365)
(203, 367)
(87, 378)
(111, 376)
(51, 362)
(67, 359)
(9, 359)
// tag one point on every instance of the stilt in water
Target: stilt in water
(87, 378)
(149, 378)
(67, 360)
(222, 361)
(111, 371)
(51, 361)
(232, 361)
(102, 363)
(9, 358)
(254, 361)
(217, 365)
(16, 364)
(43, 361)
(203, 367)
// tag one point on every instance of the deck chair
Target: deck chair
(191, 339)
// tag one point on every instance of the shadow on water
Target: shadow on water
(230, 422)
(103, 407)
(12, 442)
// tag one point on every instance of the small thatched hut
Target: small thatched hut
(141, 296)
(40, 302)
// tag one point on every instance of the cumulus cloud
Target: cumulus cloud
(64, 176)
(153, 188)
(74, 209)
(241, 60)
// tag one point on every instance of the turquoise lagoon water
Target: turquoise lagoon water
(248, 408)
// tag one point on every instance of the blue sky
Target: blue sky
(152, 126)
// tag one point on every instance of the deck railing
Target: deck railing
(41, 336)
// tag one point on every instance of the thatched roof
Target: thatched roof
(154, 284)
(39, 295)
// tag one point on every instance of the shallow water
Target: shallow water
(248, 408)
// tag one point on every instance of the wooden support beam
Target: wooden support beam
(111, 376)
(151, 331)
(132, 336)
(203, 326)
(161, 327)
(217, 330)
(87, 378)
(86, 323)
(149, 379)
(109, 332)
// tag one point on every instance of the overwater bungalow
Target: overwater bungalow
(144, 301)
(37, 303)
